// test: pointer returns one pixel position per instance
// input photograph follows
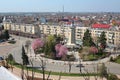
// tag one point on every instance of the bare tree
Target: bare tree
(33, 72)
(43, 68)
(31, 61)
(49, 75)
(96, 70)
(103, 71)
(86, 75)
(60, 76)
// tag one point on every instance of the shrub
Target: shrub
(12, 42)
(10, 57)
(103, 71)
(113, 77)
(70, 57)
(111, 59)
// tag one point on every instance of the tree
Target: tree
(113, 77)
(37, 44)
(62, 52)
(2, 27)
(57, 47)
(24, 61)
(58, 38)
(51, 38)
(103, 71)
(43, 68)
(49, 48)
(6, 34)
(102, 40)
(11, 60)
(93, 50)
(87, 39)
(10, 57)
(46, 48)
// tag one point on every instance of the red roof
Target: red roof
(100, 26)
(68, 23)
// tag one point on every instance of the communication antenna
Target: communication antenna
(63, 8)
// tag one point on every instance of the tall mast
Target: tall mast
(63, 8)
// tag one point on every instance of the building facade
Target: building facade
(113, 37)
(25, 28)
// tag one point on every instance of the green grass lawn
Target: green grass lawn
(90, 57)
(118, 60)
(57, 73)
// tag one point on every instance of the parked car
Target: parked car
(2, 40)
(1, 58)
(2, 61)
(10, 39)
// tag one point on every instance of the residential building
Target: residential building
(112, 36)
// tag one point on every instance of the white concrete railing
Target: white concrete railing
(38, 57)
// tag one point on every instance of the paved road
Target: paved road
(112, 67)
(6, 48)
(57, 67)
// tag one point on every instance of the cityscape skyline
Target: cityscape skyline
(69, 40)
(57, 6)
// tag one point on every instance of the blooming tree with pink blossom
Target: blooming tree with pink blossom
(57, 47)
(93, 50)
(61, 50)
(37, 43)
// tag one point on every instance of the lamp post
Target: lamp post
(69, 63)
(80, 65)
(43, 68)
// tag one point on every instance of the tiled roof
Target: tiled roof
(100, 26)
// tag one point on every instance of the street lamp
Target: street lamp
(43, 68)
(69, 63)
(43, 63)
(80, 65)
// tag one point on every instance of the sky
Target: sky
(57, 5)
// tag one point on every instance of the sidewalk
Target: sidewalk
(17, 72)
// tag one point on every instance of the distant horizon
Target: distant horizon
(8, 6)
(58, 12)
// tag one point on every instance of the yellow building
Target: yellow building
(25, 28)
(113, 37)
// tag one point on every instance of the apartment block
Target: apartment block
(113, 37)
